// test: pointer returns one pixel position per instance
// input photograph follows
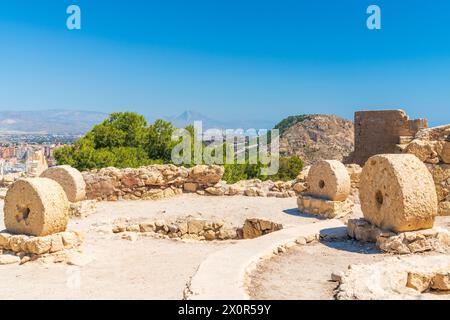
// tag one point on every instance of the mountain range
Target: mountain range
(49, 121)
(75, 122)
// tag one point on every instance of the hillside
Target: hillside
(315, 137)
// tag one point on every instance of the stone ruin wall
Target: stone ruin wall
(378, 132)
(391, 131)
(162, 181)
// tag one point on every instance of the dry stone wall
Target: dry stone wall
(162, 181)
(432, 146)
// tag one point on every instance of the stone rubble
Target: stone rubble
(435, 239)
(414, 277)
(192, 229)
(432, 146)
(37, 247)
(82, 209)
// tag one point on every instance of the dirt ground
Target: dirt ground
(151, 268)
(146, 269)
(304, 272)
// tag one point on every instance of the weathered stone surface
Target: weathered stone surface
(215, 191)
(195, 226)
(71, 239)
(23, 244)
(36, 206)
(419, 281)
(445, 152)
(190, 187)
(397, 193)
(426, 151)
(82, 209)
(192, 229)
(329, 179)
(70, 179)
(39, 245)
(362, 230)
(206, 175)
(379, 132)
(300, 187)
(324, 208)
(388, 278)
(4, 240)
(9, 259)
(436, 239)
(148, 226)
(441, 281)
(354, 171)
(161, 181)
(256, 227)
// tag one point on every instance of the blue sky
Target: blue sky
(228, 59)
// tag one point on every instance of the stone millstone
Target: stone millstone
(36, 206)
(329, 179)
(70, 179)
(397, 192)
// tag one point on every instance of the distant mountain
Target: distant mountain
(49, 121)
(189, 116)
(71, 122)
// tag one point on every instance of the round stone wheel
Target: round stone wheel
(329, 179)
(397, 193)
(36, 207)
(70, 179)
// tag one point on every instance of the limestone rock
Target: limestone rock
(39, 245)
(424, 150)
(190, 187)
(195, 226)
(419, 281)
(441, 281)
(329, 179)
(397, 192)
(445, 152)
(206, 175)
(130, 236)
(4, 240)
(256, 227)
(70, 179)
(82, 209)
(216, 191)
(299, 187)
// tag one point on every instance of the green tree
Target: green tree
(158, 141)
(121, 129)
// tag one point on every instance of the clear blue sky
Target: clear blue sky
(227, 59)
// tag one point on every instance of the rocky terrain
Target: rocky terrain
(318, 137)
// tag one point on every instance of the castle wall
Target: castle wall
(380, 131)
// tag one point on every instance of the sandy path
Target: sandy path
(146, 269)
(303, 272)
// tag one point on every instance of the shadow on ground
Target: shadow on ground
(298, 213)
